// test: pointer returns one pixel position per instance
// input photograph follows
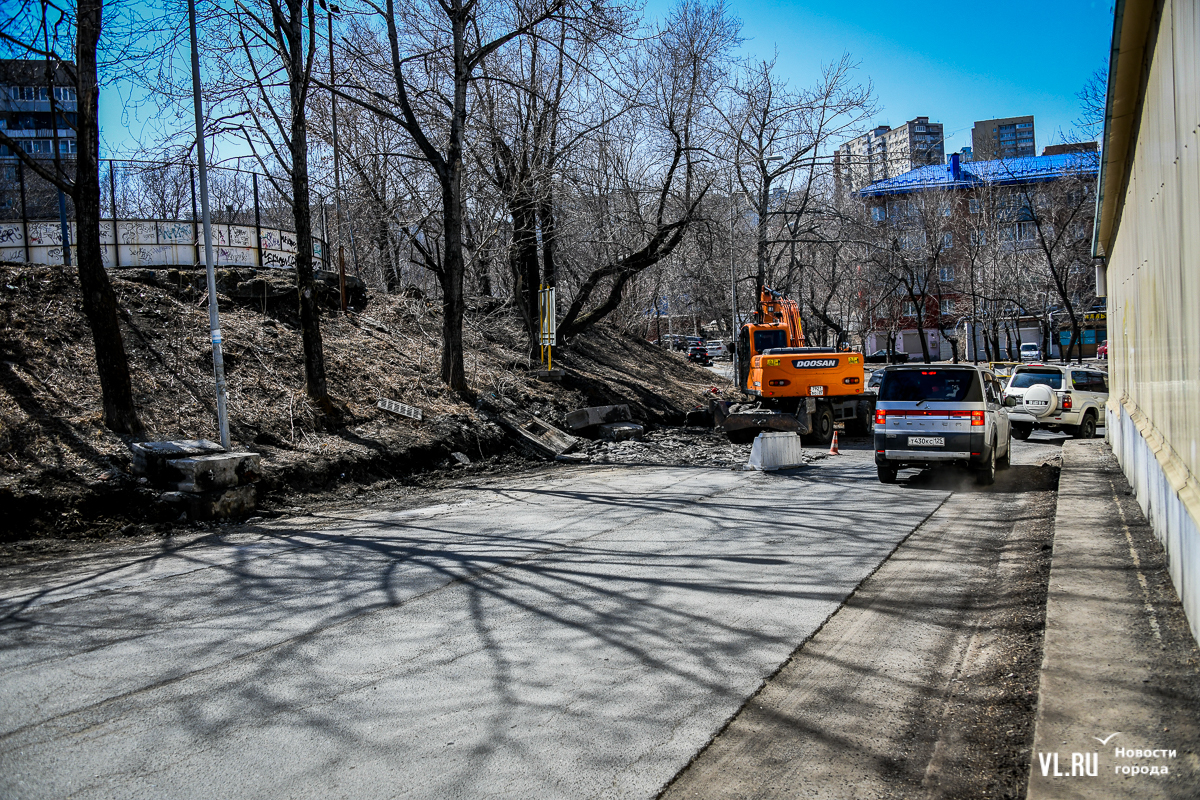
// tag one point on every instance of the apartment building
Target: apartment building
(25, 107)
(1010, 137)
(886, 152)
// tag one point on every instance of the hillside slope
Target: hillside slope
(62, 474)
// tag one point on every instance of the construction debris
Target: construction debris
(400, 408)
(538, 437)
(619, 431)
(584, 418)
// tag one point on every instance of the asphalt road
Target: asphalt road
(582, 634)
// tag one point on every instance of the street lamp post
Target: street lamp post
(214, 320)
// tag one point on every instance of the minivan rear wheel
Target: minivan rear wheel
(986, 475)
(1021, 432)
(886, 474)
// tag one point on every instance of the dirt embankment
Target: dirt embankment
(64, 476)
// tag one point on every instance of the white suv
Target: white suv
(1049, 397)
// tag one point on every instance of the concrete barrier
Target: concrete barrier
(776, 450)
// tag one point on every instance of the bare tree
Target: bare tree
(774, 135)
(99, 300)
(274, 43)
(433, 51)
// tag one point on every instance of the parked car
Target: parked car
(1102, 350)
(883, 357)
(1056, 398)
(941, 414)
(717, 349)
(698, 354)
(874, 381)
(1031, 352)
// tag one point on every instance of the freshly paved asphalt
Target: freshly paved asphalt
(581, 635)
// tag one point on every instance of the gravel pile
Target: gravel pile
(693, 447)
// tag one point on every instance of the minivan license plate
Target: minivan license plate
(926, 441)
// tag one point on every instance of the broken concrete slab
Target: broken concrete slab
(217, 471)
(150, 458)
(584, 418)
(538, 437)
(620, 431)
(462, 458)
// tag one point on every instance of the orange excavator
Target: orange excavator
(797, 388)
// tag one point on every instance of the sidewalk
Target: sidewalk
(1120, 669)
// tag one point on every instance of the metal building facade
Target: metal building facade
(1148, 229)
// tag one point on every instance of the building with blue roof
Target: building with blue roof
(932, 230)
(972, 174)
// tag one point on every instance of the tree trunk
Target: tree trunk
(99, 299)
(310, 317)
(453, 372)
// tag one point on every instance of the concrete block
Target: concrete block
(538, 437)
(150, 458)
(596, 415)
(216, 471)
(239, 501)
(775, 450)
(620, 431)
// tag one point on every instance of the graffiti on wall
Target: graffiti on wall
(159, 243)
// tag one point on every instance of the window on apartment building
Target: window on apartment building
(909, 309)
(38, 147)
(68, 147)
(878, 213)
(945, 274)
(973, 205)
(64, 94)
(1024, 124)
(978, 238)
(920, 129)
(947, 240)
(946, 307)
(1026, 231)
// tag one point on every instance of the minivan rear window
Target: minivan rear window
(1025, 378)
(933, 385)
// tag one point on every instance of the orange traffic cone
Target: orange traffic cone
(833, 450)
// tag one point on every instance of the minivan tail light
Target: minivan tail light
(976, 418)
(1066, 403)
(880, 417)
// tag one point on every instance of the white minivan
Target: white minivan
(1031, 352)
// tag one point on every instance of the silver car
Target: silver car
(930, 414)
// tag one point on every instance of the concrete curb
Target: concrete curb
(1119, 700)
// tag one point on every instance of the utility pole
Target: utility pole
(214, 320)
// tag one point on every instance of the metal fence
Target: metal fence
(150, 217)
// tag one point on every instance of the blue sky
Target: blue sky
(953, 62)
